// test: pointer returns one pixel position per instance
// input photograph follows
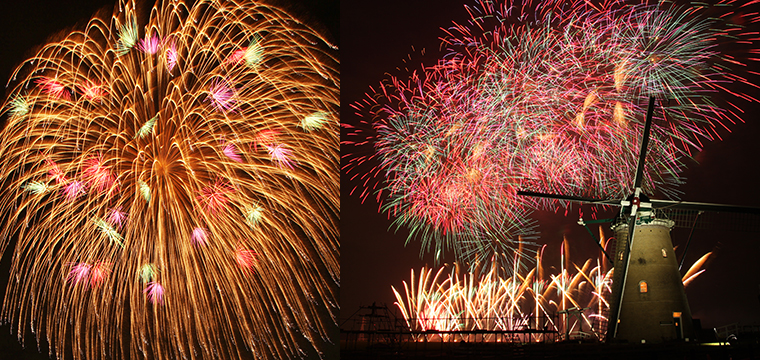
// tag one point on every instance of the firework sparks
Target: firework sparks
(199, 236)
(488, 301)
(155, 292)
(116, 217)
(544, 95)
(245, 258)
(79, 272)
(222, 96)
(54, 88)
(98, 273)
(231, 152)
(130, 214)
(171, 56)
(281, 155)
(150, 45)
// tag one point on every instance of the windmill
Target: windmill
(648, 302)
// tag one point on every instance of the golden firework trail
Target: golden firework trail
(170, 184)
(572, 302)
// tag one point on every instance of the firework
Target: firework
(546, 96)
(484, 300)
(171, 186)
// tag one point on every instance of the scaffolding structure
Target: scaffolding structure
(377, 326)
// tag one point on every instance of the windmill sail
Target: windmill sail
(648, 302)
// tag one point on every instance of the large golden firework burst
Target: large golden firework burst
(170, 183)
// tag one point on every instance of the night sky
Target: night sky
(26, 25)
(376, 39)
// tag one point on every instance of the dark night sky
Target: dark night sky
(25, 25)
(378, 36)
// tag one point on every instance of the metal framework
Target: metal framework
(376, 326)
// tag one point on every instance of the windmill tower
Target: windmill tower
(648, 302)
(654, 307)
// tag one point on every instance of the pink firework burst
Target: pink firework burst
(171, 55)
(54, 88)
(150, 45)
(199, 236)
(98, 273)
(155, 292)
(74, 189)
(236, 57)
(116, 217)
(91, 91)
(97, 175)
(222, 97)
(231, 152)
(281, 155)
(245, 258)
(79, 272)
(214, 197)
(55, 172)
(446, 209)
(265, 138)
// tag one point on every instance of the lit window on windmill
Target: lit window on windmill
(664, 253)
(620, 256)
(643, 288)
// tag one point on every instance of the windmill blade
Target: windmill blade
(596, 241)
(728, 221)
(690, 205)
(612, 333)
(644, 143)
(569, 198)
(691, 233)
(615, 316)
